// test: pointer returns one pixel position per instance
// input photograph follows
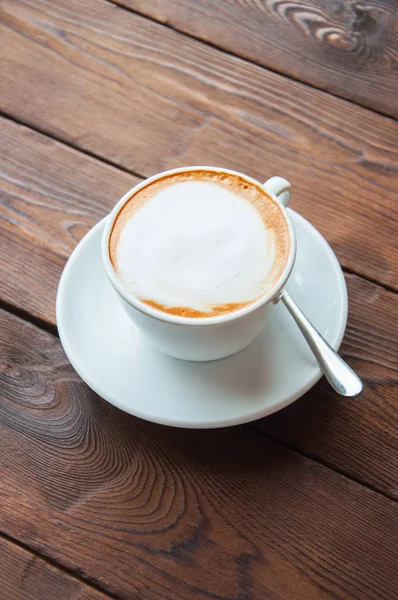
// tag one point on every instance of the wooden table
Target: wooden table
(95, 95)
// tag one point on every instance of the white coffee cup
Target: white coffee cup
(208, 338)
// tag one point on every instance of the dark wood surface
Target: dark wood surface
(95, 503)
(347, 47)
(150, 511)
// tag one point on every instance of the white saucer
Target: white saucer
(277, 368)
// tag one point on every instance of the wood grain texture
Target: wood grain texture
(150, 512)
(347, 47)
(25, 576)
(148, 98)
(52, 194)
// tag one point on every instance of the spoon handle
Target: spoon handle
(340, 376)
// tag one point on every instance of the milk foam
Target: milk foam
(196, 244)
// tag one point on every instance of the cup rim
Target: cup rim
(193, 321)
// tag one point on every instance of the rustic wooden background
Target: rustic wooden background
(94, 96)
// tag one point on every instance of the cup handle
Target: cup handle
(279, 187)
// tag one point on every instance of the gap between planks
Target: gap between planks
(319, 460)
(59, 566)
(50, 135)
(244, 58)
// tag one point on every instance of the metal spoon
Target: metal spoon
(340, 376)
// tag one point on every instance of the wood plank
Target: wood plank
(348, 48)
(150, 105)
(152, 512)
(25, 576)
(52, 194)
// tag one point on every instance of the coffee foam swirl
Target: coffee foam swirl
(199, 243)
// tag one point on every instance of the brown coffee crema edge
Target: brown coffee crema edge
(270, 213)
(183, 311)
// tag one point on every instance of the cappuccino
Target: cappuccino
(199, 243)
